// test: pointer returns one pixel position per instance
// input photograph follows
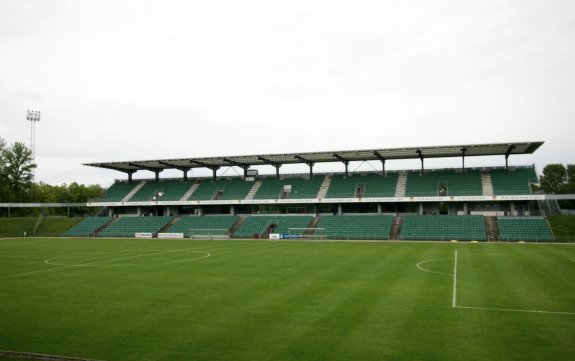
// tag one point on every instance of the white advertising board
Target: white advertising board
(170, 235)
(144, 235)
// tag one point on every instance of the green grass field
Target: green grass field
(261, 300)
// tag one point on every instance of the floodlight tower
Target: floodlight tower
(33, 116)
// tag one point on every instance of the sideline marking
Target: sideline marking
(18, 355)
(512, 310)
(572, 259)
(431, 271)
(455, 279)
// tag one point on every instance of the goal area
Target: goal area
(209, 233)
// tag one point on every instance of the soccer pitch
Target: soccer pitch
(262, 300)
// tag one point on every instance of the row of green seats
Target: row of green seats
(301, 188)
(444, 183)
(186, 224)
(356, 227)
(258, 225)
(164, 190)
(129, 226)
(87, 227)
(513, 181)
(443, 227)
(369, 185)
(222, 189)
(524, 229)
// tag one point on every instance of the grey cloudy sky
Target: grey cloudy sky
(129, 80)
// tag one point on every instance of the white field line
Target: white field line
(454, 305)
(206, 255)
(63, 266)
(92, 264)
(455, 280)
(41, 270)
(39, 356)
(433, 260)
(512, 310)
(572, 259)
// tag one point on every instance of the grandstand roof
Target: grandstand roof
(467, 150)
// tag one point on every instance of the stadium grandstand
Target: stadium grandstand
(483, 204)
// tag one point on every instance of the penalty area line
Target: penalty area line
(454, 303)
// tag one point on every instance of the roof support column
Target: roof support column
(507, 154)
(157, 172)
(214, 170)
(308, 162)
(463, 150)
(344, 161)
(421, 157)
(130, 176)
(382, 160)
(242, 165)
(185, 171)
(272, 163)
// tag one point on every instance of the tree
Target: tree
(18, 172)
(3, 182)
(554, 175)
(571, 173)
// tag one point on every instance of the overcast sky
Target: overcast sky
(135, 80)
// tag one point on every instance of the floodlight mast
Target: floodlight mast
(33, 116)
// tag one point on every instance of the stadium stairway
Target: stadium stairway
(401, 185)
(190, 191)
(99, 230)
(169, 225)
(134, 191)
(237, 225)
(254, 190)
(396, 227)
(486, 184)
(313, 223)
(105, 225)
(324, 187)
(492, 228)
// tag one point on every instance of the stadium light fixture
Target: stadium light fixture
(33, 116)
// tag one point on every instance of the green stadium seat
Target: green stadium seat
(187, 223)
(128, 226)
(118, 191)
(513, 181)
(170, 190)
(443, 227)
(356, 226)
(222, 189)
(370, 185)
(301, 188)
(444, 183)
(258, 225)
(524, 229)
(87, 227)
